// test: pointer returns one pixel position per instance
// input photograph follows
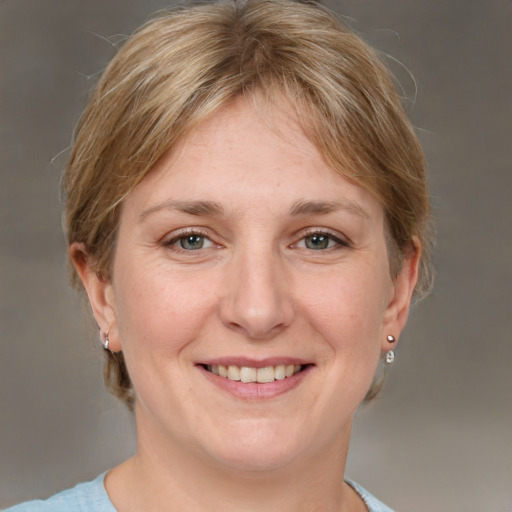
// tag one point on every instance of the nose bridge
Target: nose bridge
(259, 301)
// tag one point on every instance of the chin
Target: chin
(260, 448)
(256, 460)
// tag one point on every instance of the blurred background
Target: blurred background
(439, 438)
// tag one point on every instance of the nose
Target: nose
(257, 300)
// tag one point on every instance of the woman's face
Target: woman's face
(244, 253)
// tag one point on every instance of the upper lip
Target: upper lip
(254, 363)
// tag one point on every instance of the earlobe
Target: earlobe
(100, 294)
(404, 283)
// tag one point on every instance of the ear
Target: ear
(100, 293)
(402, 289)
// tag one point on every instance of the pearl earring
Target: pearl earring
(390, 354)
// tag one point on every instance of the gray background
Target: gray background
(440, 436)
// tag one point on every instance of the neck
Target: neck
(163, 472)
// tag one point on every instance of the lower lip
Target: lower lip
(256, 390)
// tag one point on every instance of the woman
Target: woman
(246, 209)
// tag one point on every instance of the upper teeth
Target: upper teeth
(248, 374)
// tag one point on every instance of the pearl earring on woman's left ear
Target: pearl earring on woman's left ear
(105, 342)
(390, 354)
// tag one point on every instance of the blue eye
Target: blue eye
(320, 241)
(317, 242)
(191, 242)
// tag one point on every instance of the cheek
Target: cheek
(159, 317)
(347, 309)
(159, 311)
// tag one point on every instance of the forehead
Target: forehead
(247, 156)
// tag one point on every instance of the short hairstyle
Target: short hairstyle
(179, 68)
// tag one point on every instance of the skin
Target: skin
(257, 288)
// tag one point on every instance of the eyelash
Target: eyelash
(172, 243)
(327, 234)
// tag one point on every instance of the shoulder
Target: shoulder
(373, 504)
(84, 497)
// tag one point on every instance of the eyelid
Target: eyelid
(170, 239)
(341, 240)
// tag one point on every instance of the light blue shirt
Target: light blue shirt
(92, 497)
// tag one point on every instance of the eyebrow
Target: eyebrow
(304, 207)
(197, 208)
(299, 208)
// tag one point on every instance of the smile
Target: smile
(251, 379)
(249, 374)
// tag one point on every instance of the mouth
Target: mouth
(248, 374)
(256, 380)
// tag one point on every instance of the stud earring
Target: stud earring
(390, 356)
(391, 339)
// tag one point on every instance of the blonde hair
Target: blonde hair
(180, 67)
